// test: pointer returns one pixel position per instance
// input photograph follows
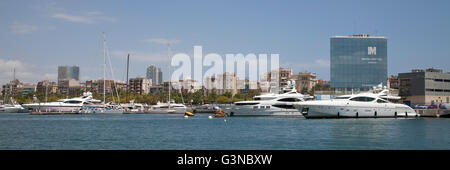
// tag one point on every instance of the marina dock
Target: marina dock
(433, 112)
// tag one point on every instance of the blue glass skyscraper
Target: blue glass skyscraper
(68, 72)
(357, 62)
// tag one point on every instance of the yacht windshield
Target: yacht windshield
(362, 99)
(289, 100)
(381, 101)
(73, 101)
(284, 106)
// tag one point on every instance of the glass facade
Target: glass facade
(358, 62)
(68, 72)
(155, 74)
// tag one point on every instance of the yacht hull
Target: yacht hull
(251, 111)
(166, 111)
(313, 111)
(10, 110)
(53, 108)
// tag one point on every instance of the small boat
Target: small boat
(219, 113)
(189, 113)
(205, 109)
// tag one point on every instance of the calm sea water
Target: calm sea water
(158, 131)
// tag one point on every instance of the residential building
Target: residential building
(47, 86)
(69, 87)
(12, 88)
(226, 82)
(304, 81)
(140, 85)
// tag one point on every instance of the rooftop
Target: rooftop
(358, 36)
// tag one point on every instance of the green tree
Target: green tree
(223, 99)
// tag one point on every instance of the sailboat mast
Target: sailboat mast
(128, 63)
(104, 69)
(170, 80)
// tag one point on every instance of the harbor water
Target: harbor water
(163, 131)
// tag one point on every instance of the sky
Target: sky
(38, 35)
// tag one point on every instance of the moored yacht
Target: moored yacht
(134, 107)
(164, 108)
(270, 104)
(63, 105)
(356, 106)
(12, 107)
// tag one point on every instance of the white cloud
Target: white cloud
(20, 28)
(162, 41)
(87, 18)
(27, 73)
(322, 63)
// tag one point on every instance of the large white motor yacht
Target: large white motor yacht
(271, 104)
(356, 106)
(63, 105)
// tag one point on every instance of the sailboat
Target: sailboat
(170, 106)
(132, 107)
(110, 107)
(13, 106)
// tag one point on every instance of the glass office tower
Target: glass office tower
(68, 72)
(155, 74)
(357, 62)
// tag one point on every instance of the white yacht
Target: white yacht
(165, 108)
(170, 106)
(104, 107)
(12, 107)
(63, 105)
(134, 107)
(356, 106)
(270, 104)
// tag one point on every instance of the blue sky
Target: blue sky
(37, 36)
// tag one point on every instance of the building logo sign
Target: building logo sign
(371, 50)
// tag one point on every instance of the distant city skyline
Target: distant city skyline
(39, 36)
